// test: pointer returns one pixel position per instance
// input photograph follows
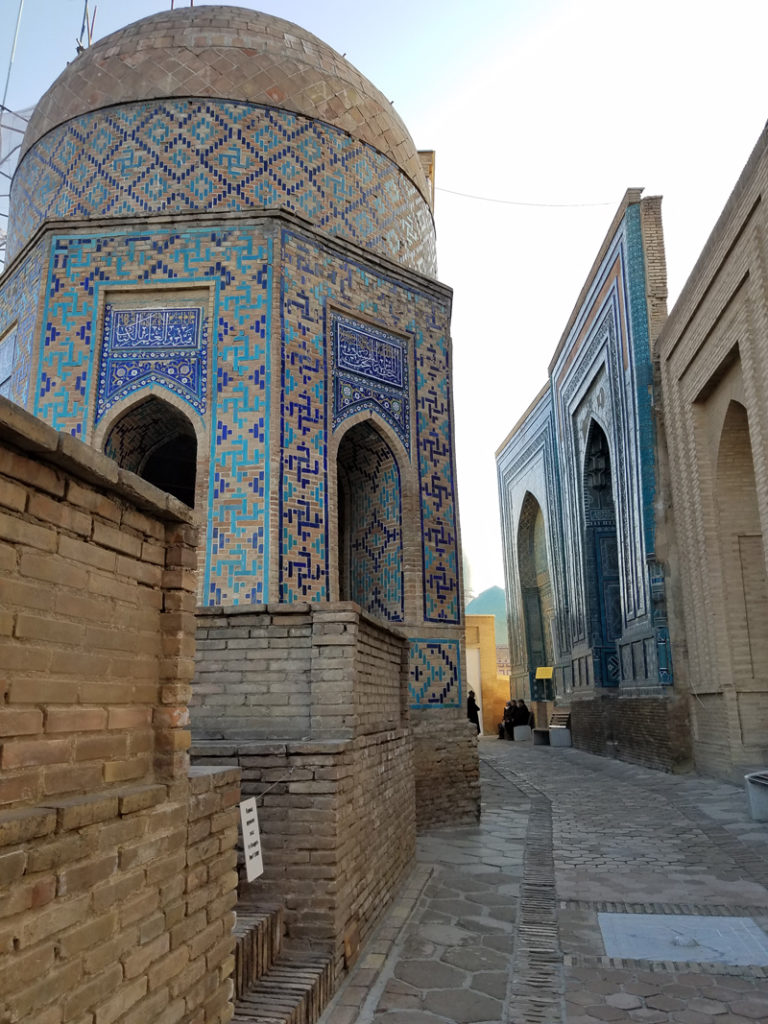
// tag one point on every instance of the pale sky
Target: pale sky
(554, 103)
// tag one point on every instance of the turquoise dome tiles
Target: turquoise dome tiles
(178, 156)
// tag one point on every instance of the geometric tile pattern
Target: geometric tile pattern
(435, 673)
(18, 308)
(373, 518)
(233, 264)
(176, 156)
(163, 346)
(313, 276)
(370, 371)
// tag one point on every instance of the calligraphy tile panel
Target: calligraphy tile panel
(180, 156)
(434, 673)
(162, 346)
(370, 371)
(235, 264)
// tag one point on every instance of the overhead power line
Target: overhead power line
(516, 202)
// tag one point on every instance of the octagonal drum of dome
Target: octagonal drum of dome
(221, 110)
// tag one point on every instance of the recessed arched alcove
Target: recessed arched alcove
(601, 558)
(370, 538)
(535, 583)
(156, 440)
(741, 548)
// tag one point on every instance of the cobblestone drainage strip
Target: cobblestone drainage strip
(735, 941)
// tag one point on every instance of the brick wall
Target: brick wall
(651, 731)
(323, 742)
(117, 876)
(296, 671)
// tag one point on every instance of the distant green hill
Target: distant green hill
(492, 602)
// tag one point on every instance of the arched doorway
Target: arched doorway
(370, 538)
(535, 584)
(157, 441)
(742, 549)
(601, 554)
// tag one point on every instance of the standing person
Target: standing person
(473, 711)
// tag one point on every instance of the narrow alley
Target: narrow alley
(591, 891)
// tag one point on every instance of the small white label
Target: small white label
(249, 822)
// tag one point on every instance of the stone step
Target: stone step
(295, 990)
(258, 942)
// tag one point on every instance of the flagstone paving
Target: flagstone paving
(501, 921)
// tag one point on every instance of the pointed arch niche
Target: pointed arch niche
(535, 584)
(601, 558)
(742, 548)
(370, 523)
(156, 440)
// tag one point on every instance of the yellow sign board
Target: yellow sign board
(544, 672)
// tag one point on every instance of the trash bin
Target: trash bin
(757, 794)
(522, 732)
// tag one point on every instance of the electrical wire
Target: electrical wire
(515, 202)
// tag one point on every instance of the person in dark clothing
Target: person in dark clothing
(473, 711)
(524, 714)
(510, 710)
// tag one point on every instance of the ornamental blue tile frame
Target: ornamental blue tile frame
(162, 346)
(181, 156)
(234, 266)
(435, 673)
(370, 371)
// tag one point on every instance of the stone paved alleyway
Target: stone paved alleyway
(501, 922)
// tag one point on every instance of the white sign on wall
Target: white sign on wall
(249, 823)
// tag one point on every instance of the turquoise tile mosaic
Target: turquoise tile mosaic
(177, 156)
(435, 673)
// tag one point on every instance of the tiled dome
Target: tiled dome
(227, 53)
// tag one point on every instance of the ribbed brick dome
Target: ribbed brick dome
(228, 53)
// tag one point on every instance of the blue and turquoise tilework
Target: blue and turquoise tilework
(435, 673)
(232, 269)
(178, 156)
(314, 276)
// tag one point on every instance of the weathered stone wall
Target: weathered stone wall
(117, 876)
(651, 731)
(446, 766)
(330, 759)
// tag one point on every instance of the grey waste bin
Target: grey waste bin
(757, 795)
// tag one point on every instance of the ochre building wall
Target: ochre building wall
(117, 864)
(712, 356)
